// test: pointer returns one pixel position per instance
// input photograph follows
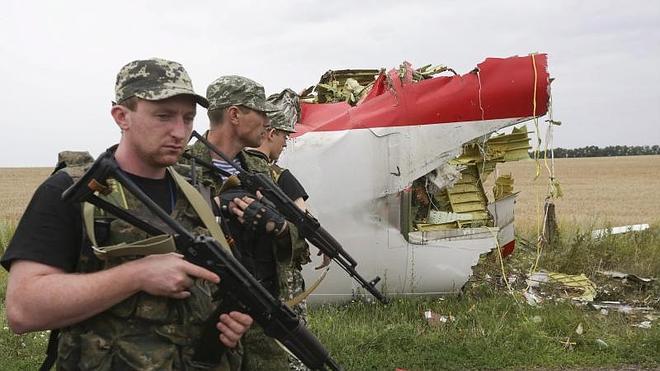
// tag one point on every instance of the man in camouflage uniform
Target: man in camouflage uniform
(282, 124)
(126, 310)
(238, 119)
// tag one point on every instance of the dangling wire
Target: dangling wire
(481, 145)
(538, 171)
(554, 188)
(481, 107)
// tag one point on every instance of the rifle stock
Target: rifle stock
(237, 284)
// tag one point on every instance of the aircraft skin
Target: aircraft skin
(357, 163)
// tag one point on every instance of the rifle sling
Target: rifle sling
(202, 208)
(303, 295)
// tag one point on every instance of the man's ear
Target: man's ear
(120, 114)
(271, 134)
(232, 113)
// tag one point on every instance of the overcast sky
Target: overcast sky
(59, 59)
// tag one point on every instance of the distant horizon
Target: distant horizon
(531, 150)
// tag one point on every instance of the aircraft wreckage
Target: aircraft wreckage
(394, 163)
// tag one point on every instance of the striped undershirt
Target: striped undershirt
(225, 167)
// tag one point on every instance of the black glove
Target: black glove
(257, 215)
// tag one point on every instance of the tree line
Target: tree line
(595, 151)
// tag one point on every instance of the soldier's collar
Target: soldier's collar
(256, 152)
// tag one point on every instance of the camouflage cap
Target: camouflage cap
(288, 114)
(237, 91)
(154, 79)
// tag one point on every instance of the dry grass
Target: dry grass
(598, 192)
(16, 188)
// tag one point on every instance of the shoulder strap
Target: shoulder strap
(275, 172)
(51, 350)
(201, 208)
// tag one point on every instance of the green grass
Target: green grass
(6, 232)
(492, 328)
(23, 352)
(493, 331)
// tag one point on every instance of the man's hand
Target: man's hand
(326, 260)
(238, 207)
(232, 326)
(274, 222)
(170, 275)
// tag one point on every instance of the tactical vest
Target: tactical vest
(143, 332)
(259, 162)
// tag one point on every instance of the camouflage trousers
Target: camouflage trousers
(295, 285)
(261, 352)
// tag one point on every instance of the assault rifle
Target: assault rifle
(307, 224)
(240, 289)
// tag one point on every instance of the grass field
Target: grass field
(598, 191)
(489, 326)
(16, 188)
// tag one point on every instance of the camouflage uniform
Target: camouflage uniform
(260, 351)
(292, 282)
(285, 119)
(143, 332)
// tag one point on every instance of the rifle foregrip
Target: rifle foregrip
(311, 351)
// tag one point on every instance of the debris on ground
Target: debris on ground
(435, 319)
(601, 344)
(532, 298)
(580, 283)
(600, 233)
(627, 277)
(619, 307)
(568, 344)
(609, 287)
(643, 324)
(580, 329)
